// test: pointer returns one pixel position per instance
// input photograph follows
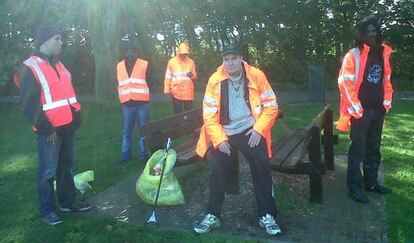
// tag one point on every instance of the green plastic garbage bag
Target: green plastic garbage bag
(82, 179)
(147, 183)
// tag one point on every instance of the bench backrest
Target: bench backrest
(176, 126)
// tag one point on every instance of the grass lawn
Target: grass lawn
(98, 146)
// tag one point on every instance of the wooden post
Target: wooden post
(328, 140)
(315, 173)
(232, 185)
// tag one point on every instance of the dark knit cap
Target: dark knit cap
(44, 33)
(129, 45)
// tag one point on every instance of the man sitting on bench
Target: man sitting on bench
(239, 110)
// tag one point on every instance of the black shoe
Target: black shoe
(358, 196)
(380, 189)
(52, 219)
(77, 207)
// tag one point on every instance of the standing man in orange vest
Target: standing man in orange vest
(49, 102)
(133, 94)
(366, 93)
(239, 110)
(179, 80)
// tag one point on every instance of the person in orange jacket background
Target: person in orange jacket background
(366, 93)
(179, 79)
(239, 110)
(134, 97)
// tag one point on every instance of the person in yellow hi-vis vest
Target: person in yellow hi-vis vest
(134, 96)
(366, 93)
(179, 79)
(239, 110)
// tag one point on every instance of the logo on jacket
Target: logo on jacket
(374, 74)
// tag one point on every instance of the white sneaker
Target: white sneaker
(209, 222)
(269, 223)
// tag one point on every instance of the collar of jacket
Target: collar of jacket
(50, 59)
(387, 50)
(222, 75)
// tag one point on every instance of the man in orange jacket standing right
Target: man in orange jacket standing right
(179, 80)
(366, 95)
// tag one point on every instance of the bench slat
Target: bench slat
(291, 162)
(175, 120)
(278, 145)
(286, 149)
(172, 132)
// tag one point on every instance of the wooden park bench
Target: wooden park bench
(183, 128)
(300, 153)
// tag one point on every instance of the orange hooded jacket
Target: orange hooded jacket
(176, 81)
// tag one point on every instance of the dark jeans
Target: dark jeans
(133, 114)
(180, 106)
(55, 162)
(259, 169)
(365, 147)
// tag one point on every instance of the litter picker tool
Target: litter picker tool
(153, 218)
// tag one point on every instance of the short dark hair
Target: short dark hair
(362, 28)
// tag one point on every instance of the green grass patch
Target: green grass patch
(98, 145)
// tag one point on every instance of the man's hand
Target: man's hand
(254, 139)
(357, 115)
(52, 138)
(225, 148)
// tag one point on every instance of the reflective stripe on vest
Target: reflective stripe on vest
(132, 90)
(46, 90)
(133, 81)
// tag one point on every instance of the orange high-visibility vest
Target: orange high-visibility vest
(177, 82)
(57, 93)
(134, 87)
(263, 105)
(350, 79)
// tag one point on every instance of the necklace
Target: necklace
(236, 83)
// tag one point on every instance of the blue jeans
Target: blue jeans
(55, 162)
(131, 115)
(365, 147)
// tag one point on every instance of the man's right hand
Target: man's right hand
(225, 148)
(52, 138)
(358, 115)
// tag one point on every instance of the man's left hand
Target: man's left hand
(254, 139)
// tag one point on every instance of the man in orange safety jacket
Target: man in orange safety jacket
(179, 79)
(239, 110)
(366, 94)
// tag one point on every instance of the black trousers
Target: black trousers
(365, 147)
(259, 169)
(180, 106)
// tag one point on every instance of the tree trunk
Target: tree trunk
(103, 21)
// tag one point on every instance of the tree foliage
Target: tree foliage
(281, 37)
